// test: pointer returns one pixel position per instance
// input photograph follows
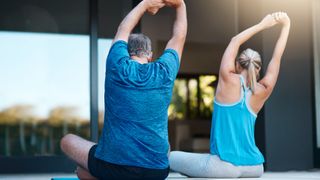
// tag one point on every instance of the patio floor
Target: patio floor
(292, 175)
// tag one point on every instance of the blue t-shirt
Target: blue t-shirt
(137, 97)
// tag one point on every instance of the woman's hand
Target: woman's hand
(282, 18)
(268, 21)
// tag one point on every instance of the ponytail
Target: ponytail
(252, 77)
(251, 61)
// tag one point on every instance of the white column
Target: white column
(316, 43)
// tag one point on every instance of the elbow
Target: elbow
(268, 88)
(235, 40)
(234, 43)
(225, 71)
(122, 28)
(181, 37)
(183, 34)
(268, 91)
(180, 30)
(180, 33)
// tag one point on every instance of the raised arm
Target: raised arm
(132, 19)
(228, 60)
(271, 76)
(179, 30)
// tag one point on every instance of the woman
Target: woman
(239, 97)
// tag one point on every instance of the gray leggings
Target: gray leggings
(210, 166)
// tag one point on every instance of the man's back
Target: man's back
(137, 97)
(134, 142)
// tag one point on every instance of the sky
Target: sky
(48, 70)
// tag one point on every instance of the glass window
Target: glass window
(44, 92)
(104, 46)
(207, 91)
(193, 97)
(177, 108)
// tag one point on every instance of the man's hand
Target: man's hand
(153, 6)
(173, 3)
(131, 20)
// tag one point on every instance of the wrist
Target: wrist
(260, 26)
(144, 5)
(286, 25)
(182, 4)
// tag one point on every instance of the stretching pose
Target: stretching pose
(134, 141)
(239, 97)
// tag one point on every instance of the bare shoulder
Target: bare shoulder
(230, 79)
(228, 90)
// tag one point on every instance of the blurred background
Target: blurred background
(52, 67)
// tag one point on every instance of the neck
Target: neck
(141, 60)
(244, 74)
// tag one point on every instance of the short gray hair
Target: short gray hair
(139, 45)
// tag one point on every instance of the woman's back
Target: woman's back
(229, 92)
(232, 130)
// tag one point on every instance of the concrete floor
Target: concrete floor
(292, 175)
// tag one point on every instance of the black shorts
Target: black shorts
(104, 170)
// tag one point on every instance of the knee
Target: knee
(84, 174)
(260, 171)
(257, 171)
(176, 160)
(252, 172)
(174, 156)
(65, 141)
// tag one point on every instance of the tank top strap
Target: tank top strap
(242, 84)
(243, 89)
(242, 80)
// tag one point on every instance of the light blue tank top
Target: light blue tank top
(232, 131)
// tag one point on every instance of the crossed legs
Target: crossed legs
(77, 149)
(210, 166)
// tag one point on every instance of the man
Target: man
(134, 142)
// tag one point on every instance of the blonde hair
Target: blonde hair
(251, 61)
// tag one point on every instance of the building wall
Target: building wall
(208, 33)
(289, 111)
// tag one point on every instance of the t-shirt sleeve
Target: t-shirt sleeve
(170, 61)
(118, 52)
